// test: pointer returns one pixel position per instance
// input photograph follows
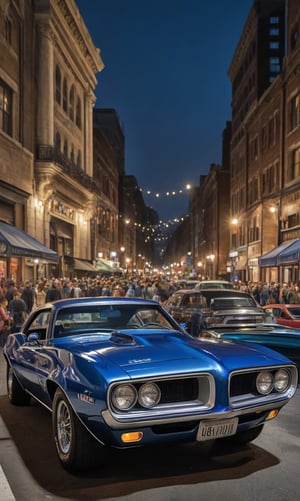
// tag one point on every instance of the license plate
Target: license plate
(209, 430)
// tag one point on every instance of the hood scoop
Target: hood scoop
(121, 338)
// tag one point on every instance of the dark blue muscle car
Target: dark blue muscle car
(121, 372)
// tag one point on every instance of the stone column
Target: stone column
(89, 104)
(45, 103)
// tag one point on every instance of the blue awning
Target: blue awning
(16, 243)
(291, 254)
(271, 257)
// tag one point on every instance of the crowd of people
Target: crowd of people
(18, 300)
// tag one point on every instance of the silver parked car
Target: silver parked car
(220, 308)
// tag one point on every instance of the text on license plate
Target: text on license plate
(209, 430)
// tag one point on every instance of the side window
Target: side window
(40, 323)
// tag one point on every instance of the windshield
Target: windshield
(295, 311)
(95, 318)
(236, 302)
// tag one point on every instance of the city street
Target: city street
(267, 469)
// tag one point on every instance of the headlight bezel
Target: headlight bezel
(141, 398)
(273, 381)
(116, 396)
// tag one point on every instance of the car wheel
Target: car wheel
(16, 394)
(243, 437)
(76, 448)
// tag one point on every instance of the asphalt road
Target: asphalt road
(267, 469)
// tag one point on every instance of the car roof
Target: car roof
(215, 292)
(100, 300)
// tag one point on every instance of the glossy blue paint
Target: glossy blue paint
(87, 346)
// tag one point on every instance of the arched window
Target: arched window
(57, 85)
(58, 142)
(78, 113)
(66, 148)
(72, 155)
(78, 163)
(65, 96)
(72, 102)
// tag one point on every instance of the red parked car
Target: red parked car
(285, 314)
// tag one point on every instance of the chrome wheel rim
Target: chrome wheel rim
(64, 428)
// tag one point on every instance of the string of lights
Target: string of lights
(172, 193)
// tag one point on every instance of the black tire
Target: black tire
(246, 436)
(76, 448)
(15, 392)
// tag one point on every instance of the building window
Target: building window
(66, 148)
(5, 108)
(65, 96)
(72, 102)
(274, 65)
(58, 142)
(295, 165)
(274, 20)
(78, 162)
(57, 85)
(78, 113)
(274, 45)
(253, 147)
(292, 220)
(274, 32)
(254, 233)
(295, 112)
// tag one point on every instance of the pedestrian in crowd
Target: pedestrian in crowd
(28, 296)
(290, 297)
(18, 311)
(274, 294)
(10, 290)
(54, 292)
(65, 290)
(256, 290)
(297, 295)
(283, 293)
(40, 294)
(264, 295)
(148, 291)
(196, 322)
(131, 290)
(5, 321)
(138, 289)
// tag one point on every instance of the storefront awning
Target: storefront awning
(16, 243)
(271, 257)
(290, 254)
(104, 266)
(80, 265)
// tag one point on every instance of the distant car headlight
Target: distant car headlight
(149, 395)
(124, 397)
(265, 382)
(281, 380)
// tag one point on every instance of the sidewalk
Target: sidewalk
(16, 482)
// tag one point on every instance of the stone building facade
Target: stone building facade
(265, 184)
(48, 68)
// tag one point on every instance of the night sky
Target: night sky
(166, 64)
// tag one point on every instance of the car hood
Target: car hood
(165, 352)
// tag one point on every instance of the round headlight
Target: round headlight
(281, 380)
(124, 397)
(149, 395)
(264, 382)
